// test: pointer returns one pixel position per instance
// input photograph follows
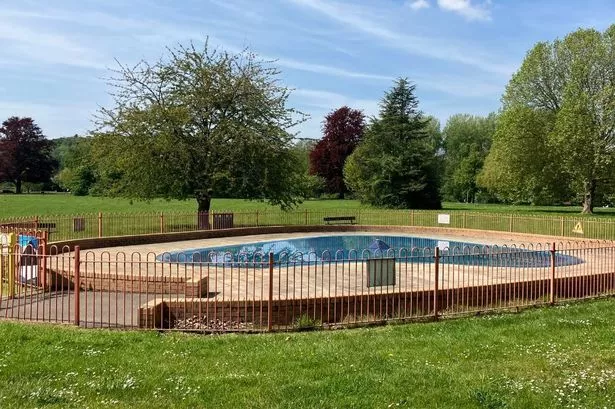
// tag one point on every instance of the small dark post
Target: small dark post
(161, 222)
(100, 224)
(270, 303)
(77, 284)
(437, 279)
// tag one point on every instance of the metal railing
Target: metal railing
(278, 292)
(66, 227)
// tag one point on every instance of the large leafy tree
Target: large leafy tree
(25, 153)
(199, 122)
(395, 165)
(342, 129)
(467, 140)
(567, 87)
(77, 172)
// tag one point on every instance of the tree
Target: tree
(342, 129)
(77, 172)
(314, 184)
(467, 140)
(395, 165)
(198, 123)
(25, 153)
(569, 87)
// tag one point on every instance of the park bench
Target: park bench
(339, 219)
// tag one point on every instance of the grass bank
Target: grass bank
(545, 358)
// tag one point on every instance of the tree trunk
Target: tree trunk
(18, 186)
(203, 200)
(588, 197)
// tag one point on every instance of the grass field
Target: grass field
(63, 204)
(560, 357)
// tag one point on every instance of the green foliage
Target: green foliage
(77, 172)
(199, 123)
(395, 165)
(568, 85)
(305, 322)
(467, 140)
(523, 166)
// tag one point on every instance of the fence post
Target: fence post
(12, 263)
(306, 217)
(161, 222)
(436, 281)
(562, 226)
(257, 218)
(552, 280)
(510, 224)
(35, 222)
(43, 262)
(270, 302)
(100, 224)
(77, 284)
(411, 217)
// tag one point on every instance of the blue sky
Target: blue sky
(460, 53)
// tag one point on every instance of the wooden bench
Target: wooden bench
(340, 219)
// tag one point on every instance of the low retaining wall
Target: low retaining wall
(162, 312)
(190, 287)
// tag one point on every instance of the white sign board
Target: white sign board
(4, 243)
(444, 219)
(443, 244)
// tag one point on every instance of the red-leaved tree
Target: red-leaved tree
(25, 154)
(342, 129)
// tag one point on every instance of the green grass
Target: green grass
(545, 358)
(63, 204)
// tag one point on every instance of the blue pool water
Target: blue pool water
(353, 247)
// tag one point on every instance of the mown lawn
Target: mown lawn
(63, 204)
(559, 357)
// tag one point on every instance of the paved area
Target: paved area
(233, 282)
(97, 309)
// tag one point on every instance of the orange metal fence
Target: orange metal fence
(65, 227)
(291, 291)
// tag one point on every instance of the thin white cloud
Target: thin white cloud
(418, 4)
(429, 47)
(45, 47)
(328, 70)
(467, 9)
(327, 101)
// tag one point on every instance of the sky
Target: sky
(55, 55)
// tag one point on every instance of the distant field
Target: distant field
(62, 204)
(558, 357)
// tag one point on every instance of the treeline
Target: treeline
(206, 124)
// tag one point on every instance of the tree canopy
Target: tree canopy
(557, 129)
(77, 172)
(342, 129)
(466, 143)
(197, 123)
(25, 153)
(395, 165)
